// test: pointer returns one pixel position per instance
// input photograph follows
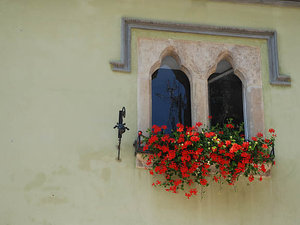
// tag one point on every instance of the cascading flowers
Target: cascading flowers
(190, 155)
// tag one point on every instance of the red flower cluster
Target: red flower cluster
(188, 155)
(229, 126)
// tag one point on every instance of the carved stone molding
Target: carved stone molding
(124, 65)
(293, 3)
(198, 60)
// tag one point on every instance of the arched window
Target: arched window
(197, 59)
(225, 95)
(171, 101)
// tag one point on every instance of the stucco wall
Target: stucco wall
(59, 100)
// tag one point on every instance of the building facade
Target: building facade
(68, 67)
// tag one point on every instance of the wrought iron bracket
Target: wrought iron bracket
(121, 128)
(138, 145)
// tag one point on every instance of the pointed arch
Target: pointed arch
(196, 59)
(170, 94)
(226, 94)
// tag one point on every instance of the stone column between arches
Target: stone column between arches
(199, 60)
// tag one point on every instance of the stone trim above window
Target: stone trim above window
(124, 65)
(295, 3)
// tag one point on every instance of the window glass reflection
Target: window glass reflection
(225, 98)
(171, 102)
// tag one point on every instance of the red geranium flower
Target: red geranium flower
(180, 127)
(145, 148)
(216, 179)
(259, 134)
(244, 154)
(156, 128)
(188, 195)
(203, 182)
(209, 134)
(198, 124)
(262, 168)
(271, 130)
(227, 143)
(246, 145)
(229, 126)
(152, 139)
(194, 191)
(235, 147)
(251, 178)
(195, 138)
(164, 127)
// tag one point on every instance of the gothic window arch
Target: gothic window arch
(199, 60)
(171, 98)
(226, 95)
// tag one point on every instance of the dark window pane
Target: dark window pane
(171, 102)
(225, 99)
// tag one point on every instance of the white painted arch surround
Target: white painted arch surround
(198, 60)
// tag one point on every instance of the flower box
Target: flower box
(141, 161)
(190, 155)
(142, 158)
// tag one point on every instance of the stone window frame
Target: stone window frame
(254, 115)
(198, 60)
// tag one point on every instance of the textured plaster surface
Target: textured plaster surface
(59, 101)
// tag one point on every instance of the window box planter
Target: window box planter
(191, 155)
(142, 158)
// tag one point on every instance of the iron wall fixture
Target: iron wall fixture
(272, 152)
(138, 145)
(121, 128)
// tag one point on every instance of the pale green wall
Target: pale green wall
(59, 100)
